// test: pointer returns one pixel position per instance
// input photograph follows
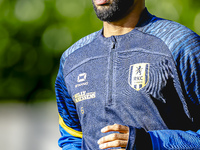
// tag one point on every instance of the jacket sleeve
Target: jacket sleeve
(139, 139)
(69, 125)
(175, 139)
(187, 57)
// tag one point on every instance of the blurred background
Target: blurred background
(33, 36)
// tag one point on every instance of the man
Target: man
(132, 85)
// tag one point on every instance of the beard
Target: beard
(114, 11)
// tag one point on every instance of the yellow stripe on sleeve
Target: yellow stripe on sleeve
(68, 129)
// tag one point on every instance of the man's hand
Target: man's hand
(116, 139)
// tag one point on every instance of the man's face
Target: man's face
(112, 10)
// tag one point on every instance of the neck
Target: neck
(126, 24)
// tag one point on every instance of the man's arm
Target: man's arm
(175, 139)
(187, 56)
(68, 120)
(69, 125)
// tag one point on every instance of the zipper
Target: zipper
(110, 72)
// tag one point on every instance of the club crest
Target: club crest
(138, 75)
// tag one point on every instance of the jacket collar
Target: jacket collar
(145, 18)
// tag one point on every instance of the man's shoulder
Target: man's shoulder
(170, 32)
(80, 43)
(176, 36)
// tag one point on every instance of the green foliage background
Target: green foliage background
(35, 33)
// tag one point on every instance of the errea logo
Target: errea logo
(81, 77)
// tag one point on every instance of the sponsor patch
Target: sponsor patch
(83, 96)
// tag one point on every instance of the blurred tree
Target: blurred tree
(35, 33)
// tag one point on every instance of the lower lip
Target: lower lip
(101, 2)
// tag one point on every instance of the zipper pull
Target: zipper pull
(114, 41)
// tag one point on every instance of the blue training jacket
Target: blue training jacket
(146, 79)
